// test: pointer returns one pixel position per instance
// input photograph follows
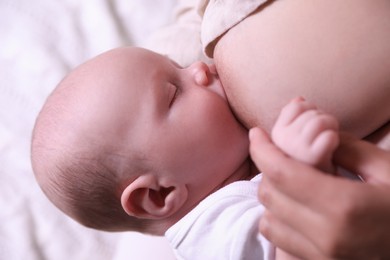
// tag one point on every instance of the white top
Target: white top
(223, 226)
(221, 15)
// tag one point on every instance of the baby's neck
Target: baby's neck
(381, 137)
(246, 171)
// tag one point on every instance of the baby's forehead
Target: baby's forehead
(100, 95)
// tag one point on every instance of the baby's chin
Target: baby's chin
(216, 87)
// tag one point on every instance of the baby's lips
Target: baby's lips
(201, 78)
(213, 69)
(215, 83)
(217, 87)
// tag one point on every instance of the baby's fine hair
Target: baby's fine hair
(84, 189)
(77, 180)
(89, 192)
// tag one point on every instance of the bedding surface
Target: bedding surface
(41, 41)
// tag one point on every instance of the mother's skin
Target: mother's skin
(334, 53)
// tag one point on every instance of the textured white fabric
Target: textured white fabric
(221, 15)
(224, 226)
(41, 40)
(180, 40)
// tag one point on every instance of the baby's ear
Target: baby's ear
(146, 198)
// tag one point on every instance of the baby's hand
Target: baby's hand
(307, 134)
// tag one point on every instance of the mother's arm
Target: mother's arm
(334, 53)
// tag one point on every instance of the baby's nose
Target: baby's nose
(200, 72)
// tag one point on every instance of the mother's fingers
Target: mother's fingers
(324, 213)
(261, 148)
(365, 159)
(287, 239)
(296, 180)
(300, 196)
(289, 212)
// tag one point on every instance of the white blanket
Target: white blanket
(41, 40)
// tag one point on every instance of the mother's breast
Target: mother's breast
(334, 53)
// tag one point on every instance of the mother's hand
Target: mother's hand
(314, 215)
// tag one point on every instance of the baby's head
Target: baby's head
(131, 141)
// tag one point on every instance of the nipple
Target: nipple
(201, 78)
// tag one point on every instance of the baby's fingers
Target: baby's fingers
(315, 123)
(325, 142)
(292, 110)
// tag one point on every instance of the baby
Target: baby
(130, 141)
